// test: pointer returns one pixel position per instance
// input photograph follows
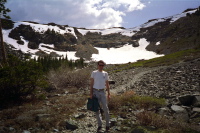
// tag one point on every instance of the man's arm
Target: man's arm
(108, 88)
(91, 87)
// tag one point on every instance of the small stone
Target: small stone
(163, 111)
(89, 125)
(71, 125)
(41, 116)
(196, 101)
(79, 116)
(11, 129)
(196, 110)
(113, 122)
(25, 131)
(55, 130)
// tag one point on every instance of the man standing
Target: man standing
(99, 80)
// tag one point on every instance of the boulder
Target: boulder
(196, 101)
(186, 100)
(178, 109)
(180, 113)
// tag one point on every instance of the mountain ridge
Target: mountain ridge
(66, 38)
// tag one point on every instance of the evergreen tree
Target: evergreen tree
(3, 12)
(20, 79)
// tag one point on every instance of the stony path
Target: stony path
(86, 122)
(126, 79)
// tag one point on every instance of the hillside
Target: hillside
(174, 102)
(165, 36)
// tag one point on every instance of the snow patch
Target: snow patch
(126, 32)
(125, 54)
(158, 43)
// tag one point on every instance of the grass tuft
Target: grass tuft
(129, 99)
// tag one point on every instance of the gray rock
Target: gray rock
(113, 122)
(71, 125)
(195, 113)
(186, 100)
(25, 131)
(11, 129)
(178, 109)
(79, 116)
(163, 111)
(55, 130)
(40, 117)
(182, 117)
(196, 110)
(180, 113)
(196, 101)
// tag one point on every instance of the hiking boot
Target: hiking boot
(99, 129)
(107, 129)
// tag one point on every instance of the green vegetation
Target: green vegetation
(19, 80)
(48, 63)
(130, 100)
(170, 59)
(126, 104)
(22, 79)
(40, 89)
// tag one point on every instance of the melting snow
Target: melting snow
(125, 54)
(158, 43)
(126, 32)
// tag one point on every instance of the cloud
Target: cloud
(79, 13)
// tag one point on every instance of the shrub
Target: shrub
(66, 77)
(148, 118)
(19, 80)
(131, 100)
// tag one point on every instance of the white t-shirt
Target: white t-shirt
(100, 79)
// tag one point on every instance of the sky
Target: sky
(96, 14)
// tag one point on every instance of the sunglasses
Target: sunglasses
(101, 65)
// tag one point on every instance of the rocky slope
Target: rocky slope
(178, 83)
(165, 81)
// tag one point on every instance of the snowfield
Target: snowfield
(125, 54)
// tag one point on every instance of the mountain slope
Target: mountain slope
(172, 37)
(165, 36)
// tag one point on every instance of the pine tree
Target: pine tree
(3, 11)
